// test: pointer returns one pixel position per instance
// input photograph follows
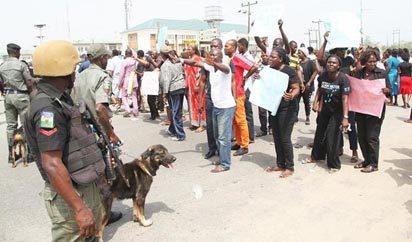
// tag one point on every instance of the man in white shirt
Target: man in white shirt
(224, 105)
(113, 66)
(220, 75)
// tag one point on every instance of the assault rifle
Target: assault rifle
(110, 150)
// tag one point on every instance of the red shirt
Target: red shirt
(241, 64)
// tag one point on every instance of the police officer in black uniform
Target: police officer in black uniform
(64, 146)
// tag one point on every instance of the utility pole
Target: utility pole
(40, 36)
(68, 20)
(248, 4)
(318, 22)
(397, 32)
(126, 8)
(361, 21)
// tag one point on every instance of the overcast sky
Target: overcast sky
(104, 19)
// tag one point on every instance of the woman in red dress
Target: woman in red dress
(405, 73)
(198, 117)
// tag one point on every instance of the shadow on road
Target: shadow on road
(402, 173)
(261, 159)
(408, 206)
(404, 151)
(150, 209)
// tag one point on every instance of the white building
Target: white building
(180, 33)
(83, 45)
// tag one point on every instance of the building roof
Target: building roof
(189, 24)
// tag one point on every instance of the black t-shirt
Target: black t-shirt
(347, 62)
(331, 91)
(406, 69)
(293, 78)
(309, 68)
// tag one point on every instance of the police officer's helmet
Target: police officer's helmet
(55, 58)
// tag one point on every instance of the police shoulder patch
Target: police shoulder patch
(47, 120)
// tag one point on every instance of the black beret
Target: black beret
(13, 46)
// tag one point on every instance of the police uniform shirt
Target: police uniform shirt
(14, 73)
(47, 128)
(93, 86)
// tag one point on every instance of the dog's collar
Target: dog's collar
(140, 164)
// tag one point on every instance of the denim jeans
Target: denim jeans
(176, 108)
(222, 126)
(211, 142)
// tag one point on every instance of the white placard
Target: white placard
(344, 30)
(150, 83)
(267, 91)
(266, 19)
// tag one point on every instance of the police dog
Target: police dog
(139, 173)
(18, 148)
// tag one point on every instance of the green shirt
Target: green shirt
(14, 73)
(93, 86)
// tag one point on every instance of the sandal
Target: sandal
(200, 129)
(369, 169)
(286, 173)
(354, 159)
(218, 169)
(409, 121)
(216, 163)
(360, 165)
(308, 160)
(273, 169)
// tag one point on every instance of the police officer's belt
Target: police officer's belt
(11, 91)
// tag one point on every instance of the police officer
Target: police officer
(16, 79)
(59, 137)
(93, 86)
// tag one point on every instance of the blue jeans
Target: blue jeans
(222, 127)
(176, 106)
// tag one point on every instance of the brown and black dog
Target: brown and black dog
(18, 148)
(140, 173)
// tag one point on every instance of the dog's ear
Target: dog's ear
(147, 153)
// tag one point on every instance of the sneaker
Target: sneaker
(170, 133)
(177, 139)
(333, 170)
(241, 151)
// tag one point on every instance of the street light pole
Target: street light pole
(361, 21)
(40, 36)
(397, 32)
(248, 4)
(318, 22)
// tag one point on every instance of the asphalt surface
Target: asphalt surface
(189, 203)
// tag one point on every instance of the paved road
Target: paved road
(189, 203)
